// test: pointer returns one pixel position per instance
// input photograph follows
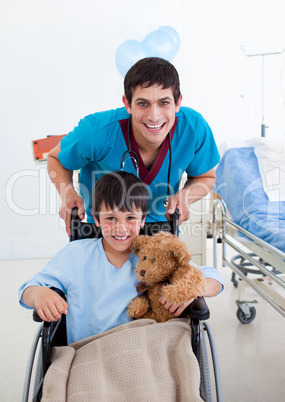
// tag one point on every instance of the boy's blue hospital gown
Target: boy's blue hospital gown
(97, 144)
(97, 293)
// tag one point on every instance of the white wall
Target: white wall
(58, 65)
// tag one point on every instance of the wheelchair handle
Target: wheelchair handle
(174, 219)
(74, 215)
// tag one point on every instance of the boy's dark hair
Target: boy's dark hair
(152, 71)
(121, 190)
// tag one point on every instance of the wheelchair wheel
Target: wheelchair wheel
(246, 319)
(38, 377)
(205, 386)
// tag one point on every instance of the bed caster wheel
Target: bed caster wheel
(246, 319)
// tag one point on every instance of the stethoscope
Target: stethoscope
(134, 157)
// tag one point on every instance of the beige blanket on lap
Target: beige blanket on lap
(138, 361)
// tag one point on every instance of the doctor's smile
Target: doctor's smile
(154, 126)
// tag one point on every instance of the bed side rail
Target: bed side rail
(225, 228)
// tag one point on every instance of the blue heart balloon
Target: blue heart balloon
(128, 54)
(173, 34)
(164, 43)
(159, 44)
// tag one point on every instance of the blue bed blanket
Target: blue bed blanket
(240, 186)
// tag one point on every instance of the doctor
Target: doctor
(167, 140)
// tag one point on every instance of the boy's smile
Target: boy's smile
(121, 238)
(119, 228)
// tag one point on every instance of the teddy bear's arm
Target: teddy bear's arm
(138, 306)
(187, 282)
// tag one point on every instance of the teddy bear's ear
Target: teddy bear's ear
(180, 251)
(138, 243)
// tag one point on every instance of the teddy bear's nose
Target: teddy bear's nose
(142, 272)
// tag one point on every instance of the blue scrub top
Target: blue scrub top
(97, 144)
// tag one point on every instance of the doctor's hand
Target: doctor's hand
(71, 200)
(179, 201)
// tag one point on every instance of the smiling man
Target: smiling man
(166, 138)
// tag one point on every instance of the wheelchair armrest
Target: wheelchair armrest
(36, 317)
(198, 309)
(53, 333)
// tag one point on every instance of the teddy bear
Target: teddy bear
(164, 269)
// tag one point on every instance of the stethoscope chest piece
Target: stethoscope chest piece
(165, 202)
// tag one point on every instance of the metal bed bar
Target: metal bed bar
(222, 227)
(259, 241)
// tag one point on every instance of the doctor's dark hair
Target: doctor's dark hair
(120, 190)
(152, 71)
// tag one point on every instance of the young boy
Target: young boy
(97, 275)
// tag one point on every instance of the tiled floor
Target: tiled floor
(250, 356)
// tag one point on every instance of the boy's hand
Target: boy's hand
(175, 309)
(212, 288)
(50, 306)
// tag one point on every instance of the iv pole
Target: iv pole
(262, 55)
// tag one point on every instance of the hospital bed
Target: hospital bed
(53, 334)
(249, 219)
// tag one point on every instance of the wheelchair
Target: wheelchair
(50, 334)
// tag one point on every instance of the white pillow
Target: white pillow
(270, 154)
